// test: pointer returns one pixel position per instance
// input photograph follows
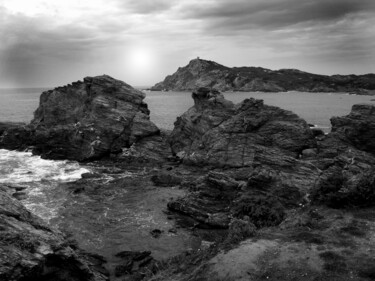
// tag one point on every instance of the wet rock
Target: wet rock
(134, 265)
(156, 233)
(20, 195)
(30, 250)
(317, 132)
(166, 179)
(15, 136)
(90, 175)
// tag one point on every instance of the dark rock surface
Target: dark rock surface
(357, 128)
(135, 265)
(15, 135)
(166, 179)
(209, 200)
(30, 250)
(85, 120)
(270, 155)
(216, 132)
(204, 73)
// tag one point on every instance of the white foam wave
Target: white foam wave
(22, 167)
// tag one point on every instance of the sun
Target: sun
(139, 63)
(140, 59)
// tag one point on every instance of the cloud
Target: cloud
(244, 14)
(68, 38)
(147, 6)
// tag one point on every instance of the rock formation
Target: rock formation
(217, 132)
(261, 144)
(87, 120)
(357, 128)
(269, 154)
(204, 73)
(30, 250)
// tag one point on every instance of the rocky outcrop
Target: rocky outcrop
(15, 136)
(270, 155)
(209, 201)
(216, 132)
(30, 250)
(204, 73)
(357, 128)
(260, 144)
(86, 120)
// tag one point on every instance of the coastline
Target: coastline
(246, 179)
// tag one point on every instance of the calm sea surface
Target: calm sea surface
(120, 219)
(18, 105)
(315, 108)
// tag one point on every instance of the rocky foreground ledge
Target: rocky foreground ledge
(296, 204)
(30, 250)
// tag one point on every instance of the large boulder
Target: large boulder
(216, 132)
(89, 119)
(30, 250)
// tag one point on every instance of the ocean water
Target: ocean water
(18, 105)
(315, 108)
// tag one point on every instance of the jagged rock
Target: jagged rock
(134, 264)
(205, 73)
(152, 149)
(357, 128)
(30, 250)
(15, 136)
(88, 120)
(264, 140)
(216, 132)
(209, 203)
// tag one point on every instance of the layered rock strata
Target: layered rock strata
(85, 120)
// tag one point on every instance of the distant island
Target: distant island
(205, 73)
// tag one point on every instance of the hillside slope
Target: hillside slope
(205, 73)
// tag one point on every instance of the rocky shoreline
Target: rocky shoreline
(270, 197)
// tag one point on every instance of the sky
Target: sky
(49, 43)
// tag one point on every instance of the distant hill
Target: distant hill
(205, 73)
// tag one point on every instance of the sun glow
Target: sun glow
(140, 62)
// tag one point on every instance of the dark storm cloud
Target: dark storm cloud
(244, 14)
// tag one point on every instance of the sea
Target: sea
(122, 219)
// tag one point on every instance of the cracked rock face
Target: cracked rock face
(216, 132)
(90, 119)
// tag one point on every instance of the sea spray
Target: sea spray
(42, 179)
